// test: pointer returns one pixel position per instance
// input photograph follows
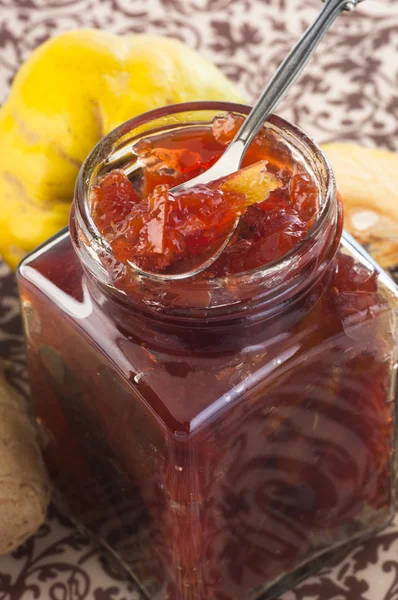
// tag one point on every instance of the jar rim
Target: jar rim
(278, 124)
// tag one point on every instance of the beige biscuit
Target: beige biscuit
(368, 181)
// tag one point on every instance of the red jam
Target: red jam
(217, 436)
(145, 224)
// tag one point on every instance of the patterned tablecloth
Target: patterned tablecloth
(349, 92)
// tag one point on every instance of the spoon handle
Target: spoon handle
(290, 69)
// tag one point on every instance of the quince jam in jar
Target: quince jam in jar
(219, 434)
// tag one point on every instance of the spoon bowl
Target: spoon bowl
(189, 267)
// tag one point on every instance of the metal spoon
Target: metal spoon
(231, 160)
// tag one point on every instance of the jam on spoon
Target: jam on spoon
(163, 232)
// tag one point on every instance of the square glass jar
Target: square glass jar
(219, 437)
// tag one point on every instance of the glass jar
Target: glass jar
(219, 436)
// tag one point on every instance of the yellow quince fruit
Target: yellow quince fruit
(72, 90)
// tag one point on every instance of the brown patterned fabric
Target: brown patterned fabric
(348, 92)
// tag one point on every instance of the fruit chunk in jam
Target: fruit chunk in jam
(154, 229)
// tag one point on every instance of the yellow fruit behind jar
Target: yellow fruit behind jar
(74, 89)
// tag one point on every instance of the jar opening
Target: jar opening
(274, 281)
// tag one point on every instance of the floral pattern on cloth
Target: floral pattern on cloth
(348, 92)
